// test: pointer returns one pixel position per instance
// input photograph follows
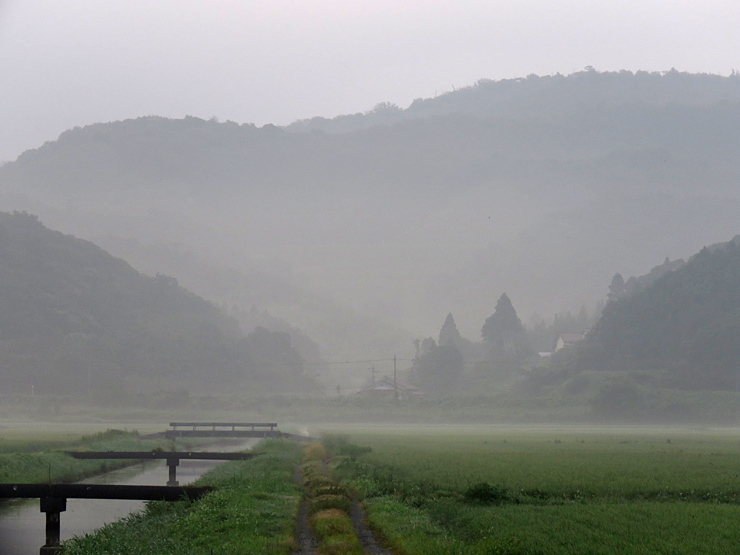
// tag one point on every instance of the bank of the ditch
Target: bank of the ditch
(40, 464)
(252, 510)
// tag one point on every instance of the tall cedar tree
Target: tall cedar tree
(449, 333)
(505, 332)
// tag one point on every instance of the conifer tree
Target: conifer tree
(448, 333)
(505, 333)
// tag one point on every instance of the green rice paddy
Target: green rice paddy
(552, 491)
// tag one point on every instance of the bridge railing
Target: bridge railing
(253, 426)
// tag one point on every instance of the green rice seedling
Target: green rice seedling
(607, 492)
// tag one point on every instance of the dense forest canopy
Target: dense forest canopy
(74, 319)
(682, 329)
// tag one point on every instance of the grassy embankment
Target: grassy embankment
(253, 510)
(42, 460)
(551, 493)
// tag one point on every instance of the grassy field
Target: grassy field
(551, 491)
(464, 490)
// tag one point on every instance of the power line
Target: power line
(368, 361)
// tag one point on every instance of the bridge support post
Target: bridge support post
(52, 506)
(172, 464)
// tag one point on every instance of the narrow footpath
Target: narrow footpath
(304, 535)
(364, 533)
(306, 539)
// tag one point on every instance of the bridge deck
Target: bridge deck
(102, 491)
(144, 455)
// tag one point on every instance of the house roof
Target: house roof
(571, 337)
(386, 385)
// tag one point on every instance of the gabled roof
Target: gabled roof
(385, 385)
(571, 337)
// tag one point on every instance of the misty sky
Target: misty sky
(74, 62)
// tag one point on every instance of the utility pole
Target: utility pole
(395, 385)
(372, 371)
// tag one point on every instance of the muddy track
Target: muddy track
(304, 536)
(307, 542)
(364, 534)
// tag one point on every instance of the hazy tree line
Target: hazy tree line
(681, 329)
(74, 319)
(453, 364)
(675, 327)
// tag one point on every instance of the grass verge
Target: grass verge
(253, 510)
(48, 464)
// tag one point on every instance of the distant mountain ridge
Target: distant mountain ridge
(541, 187)
(553, 96)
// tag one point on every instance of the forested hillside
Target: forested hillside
(371, 224)
(74, 319)
(682, 330)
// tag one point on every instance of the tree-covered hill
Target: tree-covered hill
(683, 329)
(550, 96)
(75, 319)
(542, 187)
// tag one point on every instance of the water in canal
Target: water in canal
(22, 524)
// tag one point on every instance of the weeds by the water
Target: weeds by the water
(252, 510)
(34, 462)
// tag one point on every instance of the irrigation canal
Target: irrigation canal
(22, 524)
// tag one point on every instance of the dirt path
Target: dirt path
(304, 536)
(307, 542)
(364, 534)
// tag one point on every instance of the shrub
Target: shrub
(485, 494)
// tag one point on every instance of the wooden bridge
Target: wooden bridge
(259, 430)
(223, 429)
(54, 500)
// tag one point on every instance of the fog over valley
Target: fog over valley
(508, 233)
(362, 232)
(369, 277)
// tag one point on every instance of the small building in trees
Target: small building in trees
(386, 388)
(567, 339)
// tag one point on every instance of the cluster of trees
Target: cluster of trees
(439, 366)
(680, 330)
(73, 318)
(619, 288)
